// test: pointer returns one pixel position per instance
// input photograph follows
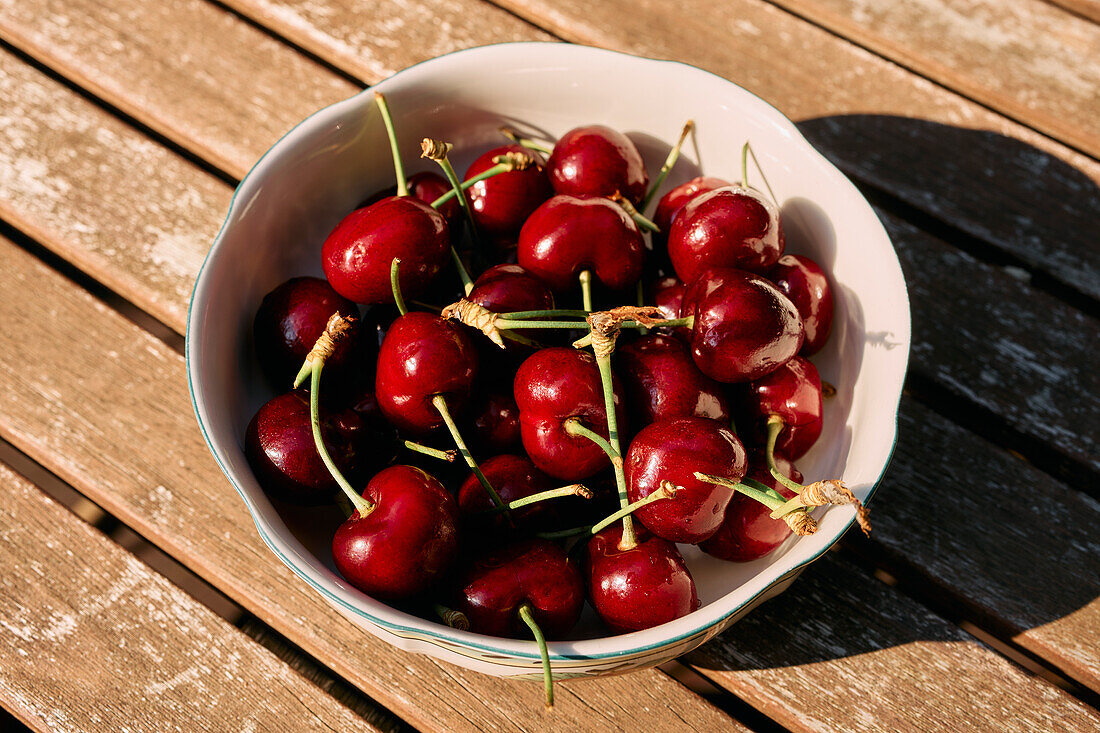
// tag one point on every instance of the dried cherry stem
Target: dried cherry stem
(800, 522)
(395, 286)
(398, 168)
(503, 164)
(572, 490)
(454, 619)
(363, 505)
(828, 389)
(524, 141)
(670, 161)
(547, 675)
(437, 150)
(444, 455)
(440, 404)
(633, 213)
(585, 279)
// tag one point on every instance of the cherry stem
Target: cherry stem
(395, 286)
(574, 426)
(454, 619)
(547, 675)
(603, 361)
(572, 490)
(586, 290)
(760, 168)
(637, 216)
(362, 505)
(463, 273)
(525, 141)
(759, 492)
(775, 426)
(666, 490)
(444, 455)
(745, 165)
(496, 169)
(670, 161)
(561, 313)
(440, 403)
(387, 120)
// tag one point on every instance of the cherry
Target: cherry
(639, 588)
(673, 450)
(279, 447)
(793, 392)
(553, 386)
(675, 200)
(423, 356)
(495, 419)
(743, 326)
(288, 322)
(502, 203)
(426, 186)
(514, 478)
(807, 286)
(509, 288)
(748, 532)
(568, 234)
(597, 161)
(662, 381)
(405, 540)
(726, 227)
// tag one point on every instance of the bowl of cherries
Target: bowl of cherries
(518, 366)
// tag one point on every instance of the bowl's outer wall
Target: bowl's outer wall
(319, 171)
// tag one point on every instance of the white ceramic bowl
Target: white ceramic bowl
(320, 170)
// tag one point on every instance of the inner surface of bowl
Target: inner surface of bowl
(321, 170)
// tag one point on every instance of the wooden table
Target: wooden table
(973, 126)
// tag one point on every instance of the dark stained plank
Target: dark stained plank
(911, 670)
(91, 639)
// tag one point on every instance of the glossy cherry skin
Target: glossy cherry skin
(595, 160)
(726, 227)
(748, 532)
(536, 572)
(358, 253)
(793, 391)
(568, 234)
(662, 382)
(513, 477)
(279, 447)
(744, 327)
(672, 450)
(427, 186)
(675, 200)
(495, 419)
(510, 288)
(502, 203)
(639, 588)
(290, 319)
(807, 286)
(422, 356)
(550, 387)
(406, 544)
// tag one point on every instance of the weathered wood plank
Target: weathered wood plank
(1006, 542)
(104, 405)
(1086, 8)
(1026, 59)
(69, 598)
(854, 650)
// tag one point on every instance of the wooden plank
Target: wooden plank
(193, 72)
(1008, 545)
(81, 384)
(842, 647)
(93, 639)
(1085, 8)
(1026, 59)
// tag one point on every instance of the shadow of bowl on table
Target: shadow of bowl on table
(1013, 204)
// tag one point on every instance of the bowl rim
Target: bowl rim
(433, 632)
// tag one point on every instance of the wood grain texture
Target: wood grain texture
(1007, 543)
(116, 204)
(1028, 60)
(886, 665)
(105, 406)
(1085, 8)
(202, 77)
(72, 601)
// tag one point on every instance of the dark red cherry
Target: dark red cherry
(807, 286)
(552, 386)
(535, 572)
(406, 543)
(288, 323)
(748, 532)
(639, 588)
(673, 201)
(502, 203)
(358, 253)
(662, 382)
(597, 161)
(744, 327)
(568, 234)
(426, 186)
(726, 227)
(510, 288)
(422, 356)
(793, 391)
(673, 450)
(667, 293)
(513, 478)
(279, 447)
(495, 420)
